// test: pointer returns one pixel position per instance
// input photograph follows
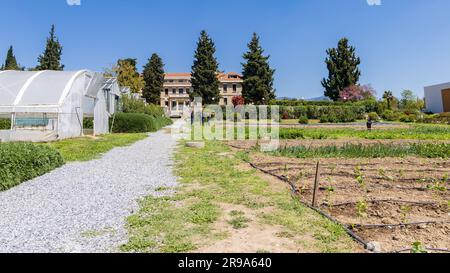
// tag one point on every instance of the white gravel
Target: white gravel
(82, 207)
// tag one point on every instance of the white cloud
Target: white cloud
(73, 2)
(374, 2)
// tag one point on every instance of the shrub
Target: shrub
(21, 162)
(133, 105)
(390, 115)
(408, 118)
(138, 123)
(303, 120)
(374, 116)
(5, 123)
(443, 118)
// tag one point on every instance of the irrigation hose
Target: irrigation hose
(375, 226)
(329, 217)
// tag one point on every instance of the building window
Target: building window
(174, 91)
(225, 88)
(234, 88)
(166, 91)
(167, 104)
(225, 101)
(181, 91)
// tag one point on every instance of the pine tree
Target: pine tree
(258, 76)
(51, 58)
(204, 79)
(342, 63)
(11, 62)
(154, 79)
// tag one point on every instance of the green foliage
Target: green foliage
(303, 120)
(443, 118)
(5, 123)
(138, 123)
(204, 79)
(390, 115)
(154, 79)
(88, 123)
(374, 116)
(128, 76)
(132, 105)
(369, 151)
(51, 58)
(258, 75)
(22, 162)
(342, 63)
(332, 114)
(420, 132)
(11, 61)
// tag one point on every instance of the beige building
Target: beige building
(177, 86)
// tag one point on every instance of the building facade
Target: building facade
(177, 87)
(437, 98)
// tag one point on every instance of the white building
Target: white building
(437, 98)
(51, 105)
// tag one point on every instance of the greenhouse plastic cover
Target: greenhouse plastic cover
(57, 92)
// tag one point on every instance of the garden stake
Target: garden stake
(316, 185)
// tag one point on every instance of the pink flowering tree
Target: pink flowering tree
(357, 92)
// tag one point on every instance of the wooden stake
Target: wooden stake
(316, 185)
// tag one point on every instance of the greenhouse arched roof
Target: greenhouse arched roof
(26, 89)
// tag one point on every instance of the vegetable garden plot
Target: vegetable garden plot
(394, 201)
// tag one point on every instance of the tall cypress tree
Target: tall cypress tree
(51, 58)
(11, 61)
(154, 79)
(204, 79)
(342, 63)
(258, 76)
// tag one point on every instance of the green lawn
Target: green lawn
(86, 148)
(211, 178)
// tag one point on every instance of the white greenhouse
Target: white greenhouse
(52, 105)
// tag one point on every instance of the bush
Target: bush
(303, 120)
(21, 162)
(390, 115)
(374, 116)
(408, 118)
(5, 124)
(132, 105)
(443, 118)
(138, 123)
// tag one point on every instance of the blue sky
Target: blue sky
(403, 44)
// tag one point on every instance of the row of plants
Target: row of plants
(419, 132)
(326, 114)
(20, 162)
(370, 151)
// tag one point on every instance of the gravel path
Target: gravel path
(82, 207)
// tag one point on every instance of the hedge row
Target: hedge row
(21, 162)
(5, 124)
(325, 114)
(138, 123)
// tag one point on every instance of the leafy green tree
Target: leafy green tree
(128, 76)
(205, 83)
(342, 63)
(51, 58)
(258, 75)
(154, 79)
(11, 61)
(410, 103)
